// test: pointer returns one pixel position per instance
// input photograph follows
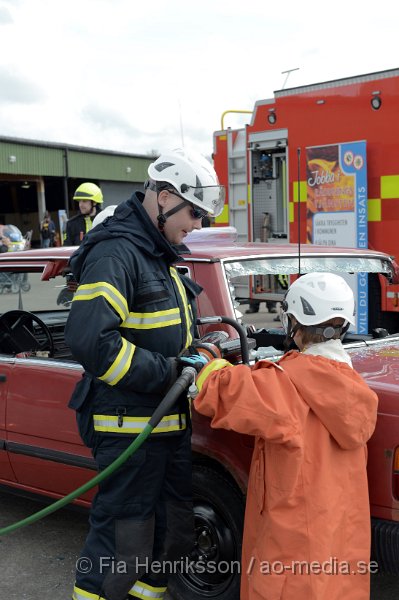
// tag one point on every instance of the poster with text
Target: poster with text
(336, 177)
(62, 220)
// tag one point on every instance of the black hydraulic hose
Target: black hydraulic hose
(182, 383)
(239, 328)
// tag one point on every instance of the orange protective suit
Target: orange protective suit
(307, 493)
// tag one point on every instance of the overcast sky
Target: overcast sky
(137, 76)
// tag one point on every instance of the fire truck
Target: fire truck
(317, 164)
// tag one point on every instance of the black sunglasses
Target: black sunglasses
(195, 212)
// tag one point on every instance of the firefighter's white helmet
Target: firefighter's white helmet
(101, 216)
(192, 176)
(318, 297)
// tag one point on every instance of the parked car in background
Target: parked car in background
(40, 449)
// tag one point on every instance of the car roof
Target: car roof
(200, 250)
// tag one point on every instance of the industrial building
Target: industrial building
(36, 176)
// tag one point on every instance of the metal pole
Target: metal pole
(299, 210)
(66, 175)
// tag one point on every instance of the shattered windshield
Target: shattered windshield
(309, 264)
(258, 285)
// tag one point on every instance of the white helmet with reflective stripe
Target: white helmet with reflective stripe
(192, 176)
(104, 214)
(318, 297)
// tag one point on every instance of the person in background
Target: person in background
(131, 317)
(4, 244)
(254, 306)
(104, 214)
(272, 307)
(311, 415)
(47, 231)
(90, 199)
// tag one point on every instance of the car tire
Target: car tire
(219, 515)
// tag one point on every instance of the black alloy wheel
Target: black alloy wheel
(219, 513)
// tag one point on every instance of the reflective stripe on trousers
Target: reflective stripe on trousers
(112, 424)
(79, 594)
(145, 591)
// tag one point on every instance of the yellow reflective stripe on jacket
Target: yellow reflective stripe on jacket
(79, 594)
(109, 424)
(121, 364)
(152, 320)
(88, 224)
(214, 365)
(182, 291)
(283, 281)
(145, 591)
(88, 291)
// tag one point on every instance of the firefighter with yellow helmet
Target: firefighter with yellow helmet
(90, 199)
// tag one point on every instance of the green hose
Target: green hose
(84, 488)
(181, 384)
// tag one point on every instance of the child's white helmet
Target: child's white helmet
(318, 297)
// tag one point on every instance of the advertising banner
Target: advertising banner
(62, 220)
(337, 207)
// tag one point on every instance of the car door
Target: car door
(45, 449)
(6, 472)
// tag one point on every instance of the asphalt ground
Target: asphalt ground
(38, 561)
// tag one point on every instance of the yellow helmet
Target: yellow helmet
(88, 191)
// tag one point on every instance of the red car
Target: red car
(41, 452)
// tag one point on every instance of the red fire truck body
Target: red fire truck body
(261, 164)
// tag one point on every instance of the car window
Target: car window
(255, 280)
(26, 291)
(289, 265)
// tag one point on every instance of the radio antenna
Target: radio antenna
(287, 74)
(299, 210)
(181, 124)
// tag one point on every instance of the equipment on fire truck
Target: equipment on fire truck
(266, 227)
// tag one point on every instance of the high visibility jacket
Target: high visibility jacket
(307, 521)
(131, 315)
(76, 229)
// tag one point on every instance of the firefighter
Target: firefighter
(307, 520)
(132, 314)
(282, 281)
(104, 214)
(90, 198)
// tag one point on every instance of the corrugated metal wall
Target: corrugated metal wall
(24, 159)
(115, 193)
(83, 165)
(19, 157)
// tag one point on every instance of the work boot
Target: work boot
(251, 310)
